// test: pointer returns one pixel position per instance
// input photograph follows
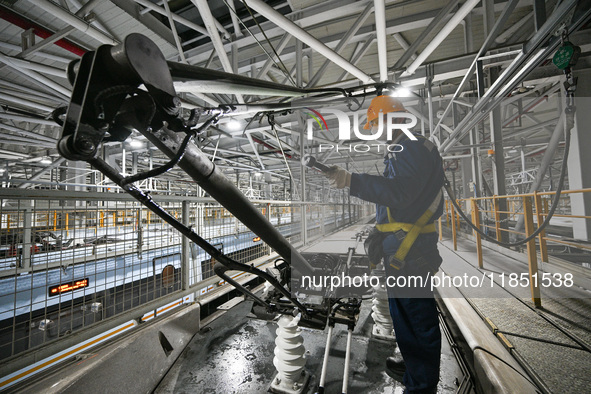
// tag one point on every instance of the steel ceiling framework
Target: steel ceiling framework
(344, 44)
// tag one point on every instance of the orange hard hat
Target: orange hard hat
(382, 105)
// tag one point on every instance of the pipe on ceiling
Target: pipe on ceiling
(36, 76)
(26, 103)
(18, 20)
(76, 22)
(380, 17)
(29, 65)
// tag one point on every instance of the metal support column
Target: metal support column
(299, 82)
(27, 235)
(498, 167)
(579, 177)
(185, 249)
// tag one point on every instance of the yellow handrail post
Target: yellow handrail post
(532, 257)
(54, 220)
(540, 218)
(453, 227)
(497, 216)
(546, 205)
(8, 223)
(459, 219)
(447, 203)
(476, 221)
(67, 224)
(102, 221)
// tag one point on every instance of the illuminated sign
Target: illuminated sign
(67, 287)
(256, 239)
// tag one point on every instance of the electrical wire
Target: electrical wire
(282, 67)
(174, 161)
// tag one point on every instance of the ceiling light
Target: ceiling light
(136, 143)
(234, 125)
(401, 92)
(46, 160)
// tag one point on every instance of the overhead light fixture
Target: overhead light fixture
(257, 174)
(401, 92)
(136, 143)
(46, 160)
(234, 125)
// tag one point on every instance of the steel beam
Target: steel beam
(28, 119)
(435, 23)
(358, 55)
(148, 20)
(510, 32)
(96, 21)
(40, 173)
(26, 103)
(209, 22)
(380, 18)
(27, 133)
(343, 42)
(175, 34)
(443, 33)
(301, 34)
(404, 44)
(153, 7)
(59, 89)
(483, 49)
(235, 22)
(279, 48)
(522, 65)
(75, 21)
(30, 65)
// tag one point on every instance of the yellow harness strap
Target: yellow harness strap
(412, 230)
(406, 227)
(411, 236)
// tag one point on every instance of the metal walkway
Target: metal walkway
(553, 343)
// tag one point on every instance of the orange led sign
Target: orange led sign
(256, 239)
(67, 287)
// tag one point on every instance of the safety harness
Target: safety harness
(411, 230)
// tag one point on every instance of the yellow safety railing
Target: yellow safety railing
(530, 206)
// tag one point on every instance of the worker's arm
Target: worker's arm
(414, 170)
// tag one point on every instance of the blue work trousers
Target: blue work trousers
(414, 311)
(417, 333)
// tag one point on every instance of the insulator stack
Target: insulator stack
(289, 357)
(383, 327)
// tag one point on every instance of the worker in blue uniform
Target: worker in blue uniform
(407, 195)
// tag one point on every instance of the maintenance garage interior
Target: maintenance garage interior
(164, 181)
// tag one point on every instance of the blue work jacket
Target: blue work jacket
(410, 182)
